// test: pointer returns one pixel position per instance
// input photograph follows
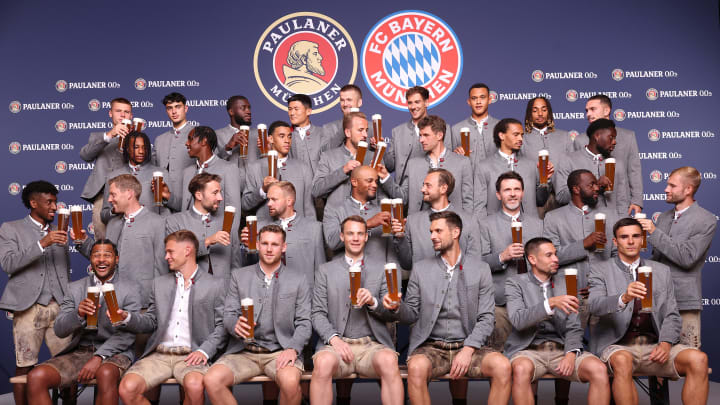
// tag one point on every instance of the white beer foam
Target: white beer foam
(63, 211)
(272, 153)
(75, 208)
(644, 269)
(464, 129)
(262, 126)
(386, 201)
(355, 269)
(640, 215)
(571, 272)
(126, 121)
(246, 128)
(362, 144)
(108, 287)
(246, 302)
(251, 218)
(381, 144)
(599, 215)
(396, 201)
(157, 174)
(390, 266)
(93, 289)
(376, 117)
(610, 160)
(543, 152)
(229, 208)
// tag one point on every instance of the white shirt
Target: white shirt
(178, 129)
(361, 205)
(285, 221)
(596, 158)
(480, 124)
(513, 218)
(130, 218)
(417, 130)
(302, 131)
(441, 209)
(203, 165)
(134, 168)
(510, 159)
(178, 331)
(678, 213)
(585, 209)
(43, 230)
(542, 131)
(434, 164)
(204, 217)
(546, 303)
(451, 269)
(631, 268)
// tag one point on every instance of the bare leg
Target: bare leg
(39, 381)
(385, 363)
(522, 375)
(623, 387)
(419, 369)
(694, 365)
(218, 383)
(20, 390)
(107, 376)
(325, 365)
(594, 371)
(132, 387)
(497, 367)
(288, 380)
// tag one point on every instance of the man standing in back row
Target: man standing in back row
(480, 123)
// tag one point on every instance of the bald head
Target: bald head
(364, 183)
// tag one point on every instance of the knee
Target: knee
(131, 386)
(698, 363)
(499, 367)
(418, 370)
(193, 383)
(107, 374)
(385, 362)
(622, 363)
(597, 371)
(288, 380)
(324, 364)
(522, 370)
(38, 377)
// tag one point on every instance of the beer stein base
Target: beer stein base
(249, 340)
(646, 310)
(91, 327)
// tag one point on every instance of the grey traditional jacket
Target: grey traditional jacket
(481, 143)
(232, 182)
(377, 245)
(608, 281)
(558, 143)
(294, 171)
(308, 150)
(170, 154)
(330, 180)
(291, 306)
(107, 157)
(145, 176)
(683, 245)
(223, 137)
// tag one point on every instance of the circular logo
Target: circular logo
(61, 204)
(15, 107)
(14, 188)
(308, 53)
(61, 166)
(411, 48)
(61, 126)
(655, 216)
(619, 114)
(15, 147)
(91, 229)
(618, 74)
(573, 134)
(61, 86)
(656, 176)
(654, 135)
(537, 76)
(140, 84)
(493, 96)
(94, 104)
(571, 95)
(651, 94)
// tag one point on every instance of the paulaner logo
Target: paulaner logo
(493, 96)
(537, 76)
(61, 126)
(617, 74)
(411, 48)
(571, 95)
(307, 53)
(61, 166)
(15, 147)
(656, 176)
(654, 135)
(651, 94)
(61, 86)
(140, 84)
(14, 188)
(94, 104)
(15, 107)
(619, 114)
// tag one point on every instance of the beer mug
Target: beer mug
(157, 185)
(465, 140)
(641, 215)
(139, 124)
(379, 153)
(600, 227)
(377, 127)
(543, 159)
(63, 219)
(262, 135)
(610, 173)
(355, 282)
(397, 210)
(272, 157)
(386, 206)
(111, 301)
(77, 222)
(516, 230)
(93, 294)
(251, 222)
(361, 149)
(244, 148)
(571, 282)
(246, 307)
(121, 139)
(645, 277)
(228, 218)
(392, 282)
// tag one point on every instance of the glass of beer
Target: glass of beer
(543, 159)
(77, 222)
(361, 149)
(121, 141)
(610, 173)
(63, 219)
(516, 230)
(355, 282)
(465, 140)
(108, 291)
(379, 152)
(228, 218)
(272, 157)
(377, 127)
(392, 282)
(600, 227)
(139, 124)
(244, 147)
(157, 185)
(645, 277)
(262, 135)
(397, 210)
(641, 215)
(571, 282)
(93, 294)
(246, 307)
(386, 206)
(251, 222)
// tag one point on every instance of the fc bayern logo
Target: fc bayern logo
(94, 104)
(140, 84)
(61, 166)
(651, 94)
(573, 134)
(618, 74)
(61, 126)
(61, 86)
(308, 53)
(493, 96)
(411, 48)
(655, 216)
(571, 95)
(654, 135)
(656, 176)
(15, 147)
(537, 76)
(619, 114)
(15, 107)
(14, 188)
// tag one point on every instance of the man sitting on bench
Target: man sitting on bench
(632, 337)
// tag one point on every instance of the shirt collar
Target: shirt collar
(511, 159)
(513, 218)
(584, 210)
(441, 158)
(543, 284)
(177, 130)
(282, 161)
(450, 269)
(350, 262)
(97, 281)
(204, 165)
(631, 266)
(286, 222)
(43, 228)
(303, 131)
(542, 131)
(480, 124)
(131, 217)
(204, 217)
(359, 204)
(181, 280)
(595, 157)
(264, 276)
(134, 168)
(679, 213)
(441, 209)
(416, 129)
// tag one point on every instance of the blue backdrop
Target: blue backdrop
(664, 48)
